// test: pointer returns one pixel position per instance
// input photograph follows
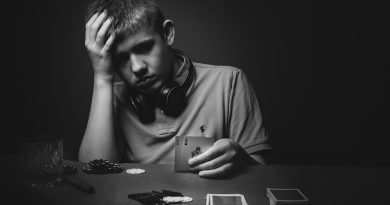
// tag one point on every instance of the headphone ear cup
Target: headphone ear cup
(142, 108)
(172, 99)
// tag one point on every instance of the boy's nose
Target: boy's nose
(138, 66)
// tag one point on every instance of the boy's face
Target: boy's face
(143, 60)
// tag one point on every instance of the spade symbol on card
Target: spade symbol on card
(188, 147)
(196, 152)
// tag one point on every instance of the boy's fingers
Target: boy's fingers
(208, 155)
(100, 37)
(95, 27)
(108, 43)
(212, 164)
(218, 172)
(88, 27)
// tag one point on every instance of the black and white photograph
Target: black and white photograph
(215, 102)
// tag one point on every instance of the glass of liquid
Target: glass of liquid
(43, 154)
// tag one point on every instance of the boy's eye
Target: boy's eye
(121, 58)
(144, 47)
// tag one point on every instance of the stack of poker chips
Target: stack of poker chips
(160, 197)
(101, 166)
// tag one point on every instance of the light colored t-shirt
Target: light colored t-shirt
(220, 99)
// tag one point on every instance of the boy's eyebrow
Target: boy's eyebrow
(142, 43)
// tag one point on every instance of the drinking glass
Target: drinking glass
(44, 158)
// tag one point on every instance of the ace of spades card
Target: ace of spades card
(187, 147)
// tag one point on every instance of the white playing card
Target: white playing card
(187, 147)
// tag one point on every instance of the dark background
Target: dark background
(318, 71)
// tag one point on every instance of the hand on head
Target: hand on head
(98, 47)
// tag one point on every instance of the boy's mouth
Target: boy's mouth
(145, 82)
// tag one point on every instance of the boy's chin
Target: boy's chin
(152, 91)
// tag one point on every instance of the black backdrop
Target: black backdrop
(318, 71)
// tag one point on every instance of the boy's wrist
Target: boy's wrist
(104, 79)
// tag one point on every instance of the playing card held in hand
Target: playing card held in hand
(187, 147)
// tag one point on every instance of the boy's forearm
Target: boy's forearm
(99, 139)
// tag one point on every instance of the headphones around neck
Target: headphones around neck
(172, 96)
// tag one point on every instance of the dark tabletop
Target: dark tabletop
(321, 184)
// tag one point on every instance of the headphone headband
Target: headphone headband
(191, 69)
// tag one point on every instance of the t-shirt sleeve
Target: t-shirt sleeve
(245, 122)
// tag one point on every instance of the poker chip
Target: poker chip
(135, 171)
(172, 199)
(177, 199)
(101, 166)
(186, 199)
(162, 197)
(69, 169)
(87, 169)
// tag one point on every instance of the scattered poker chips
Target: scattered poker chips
(152, 197)
(69, 169)
(176, 199)
(170, 193)
(186, 199)
(135, 171)
(101, 166)
(160, 197)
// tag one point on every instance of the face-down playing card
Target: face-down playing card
(286, 196)
(187, 147)
(225, 199)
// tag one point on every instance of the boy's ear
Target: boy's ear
(169, 31)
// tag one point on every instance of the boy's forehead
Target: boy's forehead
(126, 40)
